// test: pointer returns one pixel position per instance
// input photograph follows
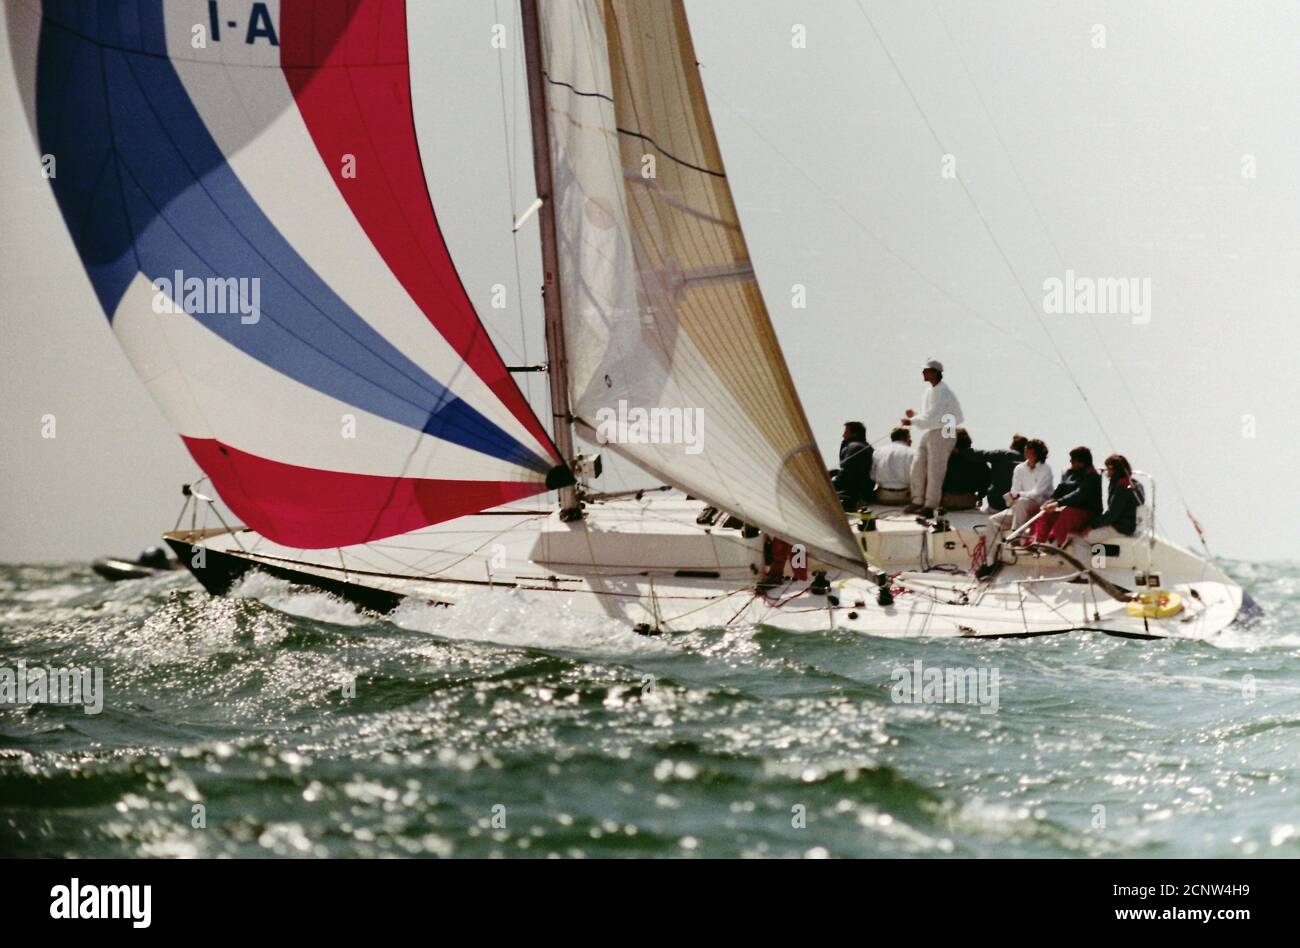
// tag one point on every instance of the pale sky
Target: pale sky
(1122, 160)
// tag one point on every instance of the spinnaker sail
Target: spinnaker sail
(663, 313)
(243, 184)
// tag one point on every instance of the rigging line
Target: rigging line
(647, 243)
(705, 242)
(576, 91)
(515, 69)
(239, 97)
(988, 229)
(1056, 250)
(419, 564)
(518, 65)
(118, 170)
(545, 109)
(635, 134)
(510, 152)
(878, 241)
(512, 142)
(710, 601)
(447, 394)
(613, 153)
(669, 155)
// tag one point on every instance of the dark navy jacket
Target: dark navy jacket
(967, 473)
(1002, 465)
(854, 477)
(1080, 489)
(1122, 502)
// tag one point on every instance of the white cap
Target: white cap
(934, 364)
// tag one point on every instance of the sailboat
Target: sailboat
(243, 183)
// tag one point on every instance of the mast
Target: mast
(556, 354)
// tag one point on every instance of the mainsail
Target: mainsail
(664, 316)
(243, 184)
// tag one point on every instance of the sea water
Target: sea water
(284, 722)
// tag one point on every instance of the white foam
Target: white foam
(508, 617)
(306, 603)
(49, 594)
(1263, 633)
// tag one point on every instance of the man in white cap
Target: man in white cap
(938, 420)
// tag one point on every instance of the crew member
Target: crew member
(1031, 486)
(939, 417)
(1002, 464)
(1075, 502)
(891, 469)
(1123, 498)
(968, 475)
(853, 478)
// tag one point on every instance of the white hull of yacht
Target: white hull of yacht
(647, 563)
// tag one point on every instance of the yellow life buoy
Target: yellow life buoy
(1160, 604)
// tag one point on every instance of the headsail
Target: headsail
(243, 184)
(664, 314)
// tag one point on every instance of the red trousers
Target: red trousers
(779, 555)
(1057, 525)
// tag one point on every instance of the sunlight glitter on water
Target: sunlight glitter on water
(283, 722)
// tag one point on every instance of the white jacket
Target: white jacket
(939, 408)
(891, 466)
(1036, 483)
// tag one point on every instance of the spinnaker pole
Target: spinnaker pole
(556, 354)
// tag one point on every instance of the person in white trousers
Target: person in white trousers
(939, 417)
(1031, 487)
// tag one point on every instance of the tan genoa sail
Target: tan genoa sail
(662, 310)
